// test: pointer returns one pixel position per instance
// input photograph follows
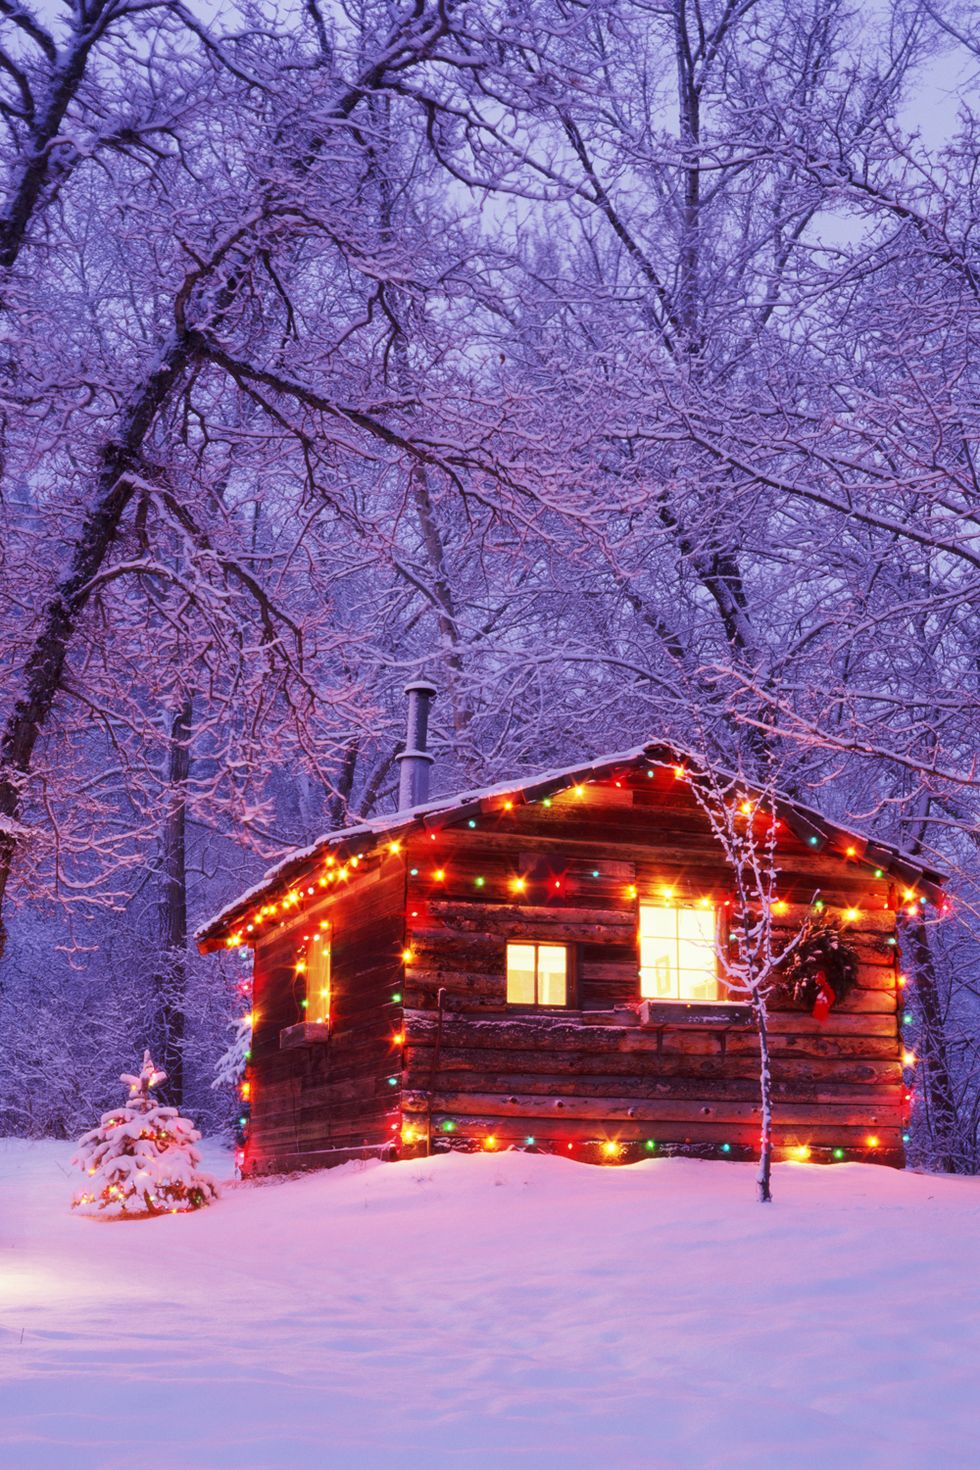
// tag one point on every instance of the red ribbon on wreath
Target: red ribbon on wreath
(826, 995)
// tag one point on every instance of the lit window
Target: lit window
(537, 974)
(318, 979)
(677, 953)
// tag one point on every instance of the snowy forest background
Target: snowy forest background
(613, 363)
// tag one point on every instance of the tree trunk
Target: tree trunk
(171, 985)
(937, 1081)
(45, 664)
(764, 1176)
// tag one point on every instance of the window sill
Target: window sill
(694, 1013)
(304, 1033)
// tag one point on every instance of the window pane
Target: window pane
(318, 981)
(698, 985)
(657, 923)
(520, 974)
(658, 968)
(697, 924)
(552, 974)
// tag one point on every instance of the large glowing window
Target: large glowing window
(677, 953)
(318, 978)
(537, 974)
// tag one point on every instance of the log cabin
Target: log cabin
(535, 965)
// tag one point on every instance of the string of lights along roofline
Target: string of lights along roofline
(339, 869)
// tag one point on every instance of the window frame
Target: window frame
(721, 939)
(570, 974)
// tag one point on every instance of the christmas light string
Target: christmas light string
(340, 868)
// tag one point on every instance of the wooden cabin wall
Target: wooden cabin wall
(592, 1072)
(323, 1103)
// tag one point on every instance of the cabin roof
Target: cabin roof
(804, 821)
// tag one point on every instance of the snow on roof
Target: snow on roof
(806, 821)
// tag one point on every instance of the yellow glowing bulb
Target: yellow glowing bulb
(668, 893)
(704, 903)
(802, 1152)
(631, 891)
(439, 875)
(746, 808)
(409, 1135)
(398, 1038)
(851, 915)
(903, 980)
(780, 906)
(610, 1149)
(872, 1140)
(407, 956)
(580, 791)
(508, 806)
(518, 885)
(490, 1141)
(679, 773)
(908, 1058)
(394, 847)
(908, 895)
(300, 966)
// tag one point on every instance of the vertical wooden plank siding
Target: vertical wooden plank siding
(589, 1074)
(324, 1103)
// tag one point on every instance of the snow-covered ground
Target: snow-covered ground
(491, 1311)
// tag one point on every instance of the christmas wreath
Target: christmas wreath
(823, 968)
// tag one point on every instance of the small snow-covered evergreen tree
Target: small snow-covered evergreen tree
(141, 1159)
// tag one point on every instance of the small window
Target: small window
(318, 978)
(677, 954)
(537, 974)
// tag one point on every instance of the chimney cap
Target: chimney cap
(420, 686)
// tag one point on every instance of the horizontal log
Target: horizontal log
(506, 1067)
(690, 1092)
(849, 1111)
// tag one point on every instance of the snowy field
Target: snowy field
(498, 1310)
